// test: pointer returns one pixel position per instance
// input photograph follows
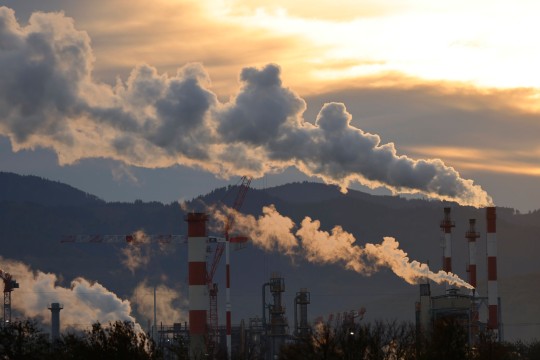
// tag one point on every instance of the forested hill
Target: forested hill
(34, 189)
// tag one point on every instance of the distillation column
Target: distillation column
(278, 323)
(301, 300)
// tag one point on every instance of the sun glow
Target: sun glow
(480, 44)
(497, 161)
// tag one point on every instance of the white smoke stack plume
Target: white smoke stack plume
(273, 231)
(84, 302)
(170, 303)
(138, 253)
(49, 99)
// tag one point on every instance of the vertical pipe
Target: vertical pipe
(264, 305)
(228, 297)
(493, 322)
(198, 291)
(154, 329)
(296, 332)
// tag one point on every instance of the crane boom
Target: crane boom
(129, 239)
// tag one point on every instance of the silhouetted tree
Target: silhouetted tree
(23, 340)
(448, 341)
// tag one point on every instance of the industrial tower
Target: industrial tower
(446, 225)
(9, 285)
(55, 320)
(464, 307)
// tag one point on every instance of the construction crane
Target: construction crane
(9, 285)
(221, 246)
(129, 239)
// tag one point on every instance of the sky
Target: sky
(170, 99)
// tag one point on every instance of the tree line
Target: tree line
(379, 340)
(118, 340)
(448, 340)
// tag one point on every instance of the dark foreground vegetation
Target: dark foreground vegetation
(396, 341)
(119, 340)
(369, 341)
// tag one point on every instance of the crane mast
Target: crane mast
(9, 285)
(221, 246)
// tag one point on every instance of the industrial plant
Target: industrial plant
(476, 313)
(265, 334)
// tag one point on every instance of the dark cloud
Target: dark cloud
(50, 99)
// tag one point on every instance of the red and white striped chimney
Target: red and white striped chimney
(493, 293)
(198, 290)
(471, 236)
(446, 225)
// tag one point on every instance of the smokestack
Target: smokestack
(446, 225)
(55, 320)
(198, 292)
(471, 236)
(493, 293)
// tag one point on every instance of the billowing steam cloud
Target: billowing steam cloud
(169, 303)
(49, 99)
(275, 231)
(84, 302)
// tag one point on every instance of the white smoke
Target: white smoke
(273, 231)
(170, 304)
(84, 302)
(48, 98)
(137, 253)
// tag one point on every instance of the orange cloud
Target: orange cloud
(488, 160)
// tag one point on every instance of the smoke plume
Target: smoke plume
(169, 303)
(273, 231)
(49, 99)
(137, 254)
(84, 302)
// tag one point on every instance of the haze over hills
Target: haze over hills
(38, 213)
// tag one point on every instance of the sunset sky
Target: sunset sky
(455, 81)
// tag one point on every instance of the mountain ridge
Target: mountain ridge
(31, 232)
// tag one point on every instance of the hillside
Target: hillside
(36, 190)
(31, 227)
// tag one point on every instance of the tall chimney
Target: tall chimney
(198, 291)
(55, 320)
(471, 236)
(446, 225)
(493, 293)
